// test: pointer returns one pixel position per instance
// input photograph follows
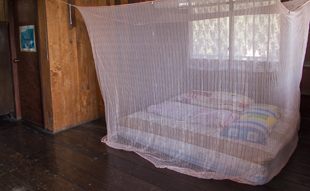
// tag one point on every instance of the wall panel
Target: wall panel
(75, 96)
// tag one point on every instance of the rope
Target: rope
(70, 4)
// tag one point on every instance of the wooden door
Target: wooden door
(25, 14)
(6, 84)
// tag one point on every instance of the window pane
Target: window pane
(243, 41)
(210, 38)
(254, 39)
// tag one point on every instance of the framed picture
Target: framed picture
(27, 38)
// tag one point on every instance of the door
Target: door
(6, 84)
(25, 14)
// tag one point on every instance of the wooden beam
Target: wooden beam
(45, 66)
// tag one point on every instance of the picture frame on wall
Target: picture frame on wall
(27, 38)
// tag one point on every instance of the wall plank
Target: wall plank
(63, 66)
(3, 10)
(75, 95)
(44, 66)
(89, 84)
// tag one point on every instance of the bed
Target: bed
(213, 134)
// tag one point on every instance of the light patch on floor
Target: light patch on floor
(19, 189)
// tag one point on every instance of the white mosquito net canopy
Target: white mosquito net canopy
(208, 88)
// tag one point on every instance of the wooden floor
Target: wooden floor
(76, 160)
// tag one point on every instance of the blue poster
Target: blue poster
(27, 38)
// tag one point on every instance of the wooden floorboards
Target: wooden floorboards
(77, 160)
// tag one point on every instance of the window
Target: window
(240, 38)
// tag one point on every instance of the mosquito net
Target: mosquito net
(208, 88)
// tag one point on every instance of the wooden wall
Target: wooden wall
(70, 88)
(3, 10)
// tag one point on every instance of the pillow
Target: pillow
(264, 109)
(176, 110)
(265, 122)
(217, 100)
(247, 134)
(254, 125)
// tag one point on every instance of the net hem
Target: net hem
(287, 151)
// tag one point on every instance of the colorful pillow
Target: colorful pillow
(261, 121)
(254, 124)
(264, 109)
(247, 134)
(217, 100)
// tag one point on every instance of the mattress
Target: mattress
(168, 135)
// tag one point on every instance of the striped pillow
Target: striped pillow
(244, 133)
(254, 125)
(263, 109)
